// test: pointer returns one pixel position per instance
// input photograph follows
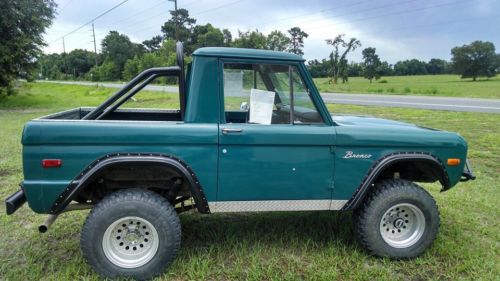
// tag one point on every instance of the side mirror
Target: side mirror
(244, 106)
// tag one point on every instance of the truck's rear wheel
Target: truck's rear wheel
(131, 233)
(399, 219)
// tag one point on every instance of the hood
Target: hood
(370, 131)
(375, 122)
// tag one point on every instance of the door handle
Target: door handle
(226, 131)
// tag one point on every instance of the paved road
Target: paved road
(424, 102)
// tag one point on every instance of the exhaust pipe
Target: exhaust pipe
(48, 221)
(51, 218)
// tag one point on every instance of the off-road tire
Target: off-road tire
(139, 203)
(377, 206)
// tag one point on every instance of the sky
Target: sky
(398, 29)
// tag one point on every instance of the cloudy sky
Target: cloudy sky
(399, 29)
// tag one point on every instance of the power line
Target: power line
(218, 7)
(398, 12)
(161, 14)
(384, 30)
(91, 21)
(348, 13)
(318, 12)
(140, 12)
(139, 20)
(379, 15)
(65, 5)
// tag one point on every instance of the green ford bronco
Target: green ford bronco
(251, 134)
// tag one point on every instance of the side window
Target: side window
(267, 94)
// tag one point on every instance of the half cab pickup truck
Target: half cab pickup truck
(251, 134)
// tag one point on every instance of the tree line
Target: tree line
(383, 68)
(24, 21)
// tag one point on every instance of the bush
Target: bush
(433, 91)
(7, 90)
(383, 81)
(108, 71)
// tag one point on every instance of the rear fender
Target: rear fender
(87, 175)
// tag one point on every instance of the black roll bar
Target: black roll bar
(179, 50)
(146, 74)
(127, 96)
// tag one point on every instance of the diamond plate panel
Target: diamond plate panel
(275, 205)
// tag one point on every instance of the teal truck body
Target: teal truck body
(305, 159)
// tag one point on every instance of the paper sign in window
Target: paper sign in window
(261, 106)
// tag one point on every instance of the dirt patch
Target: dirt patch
(4, 173)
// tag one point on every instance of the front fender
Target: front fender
(383, 163)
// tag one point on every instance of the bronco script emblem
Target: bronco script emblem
(349, 154)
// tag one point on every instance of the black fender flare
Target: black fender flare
(379, 166)
(80, 181)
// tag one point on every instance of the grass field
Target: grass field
(273, 246)
(426, 85)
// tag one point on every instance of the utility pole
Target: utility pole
(95, 47)
(176, 20)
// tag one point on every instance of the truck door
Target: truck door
(275, 149)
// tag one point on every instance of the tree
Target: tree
(317, 68)
(22, 25)
(153, 44)
(250, 39)
(107, 71)
(477, 59)
(354, 69)
(118, 48)
(385, 69)
(79, 62)
(343, 70)
(212, 38)
(278, 41)
(206, 36)
(339, 61)
(297, 40)
(178, 27)
(51, 66)
(371, 64)
(228, 37)
(498, 63)
(437, 66)
(410, 67)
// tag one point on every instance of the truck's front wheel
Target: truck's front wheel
(131, 233)
(399, 219)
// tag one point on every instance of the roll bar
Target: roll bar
(139, 82)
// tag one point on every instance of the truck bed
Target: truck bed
(137, 114)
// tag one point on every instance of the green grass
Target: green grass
(39, 96)
(272, 246)
(426, 85)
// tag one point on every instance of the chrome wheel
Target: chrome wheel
(402, 225)
(130, 242)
